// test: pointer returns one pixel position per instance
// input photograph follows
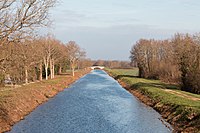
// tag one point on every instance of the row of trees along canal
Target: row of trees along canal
(24, 56)
(174, 60)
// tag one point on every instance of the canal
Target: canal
(94, 104)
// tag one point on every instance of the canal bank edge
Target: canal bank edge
(167, 111)
(15, 104)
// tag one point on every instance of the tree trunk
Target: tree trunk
(51, 67)
(73, 71)
(141, 72)
(46, 72)
(26, 74)
(73, 67)
(40, 76)
(60, 69)
(46, 65)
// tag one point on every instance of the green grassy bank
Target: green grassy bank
(181, 109)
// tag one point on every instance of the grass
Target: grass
(178, 107)
(156, 89)
(9, 91)
(59, 80)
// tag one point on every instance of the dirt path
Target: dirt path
(182, 95)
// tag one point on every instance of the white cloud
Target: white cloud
(112, 42)
(108, 29)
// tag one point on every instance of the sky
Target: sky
(107, 29)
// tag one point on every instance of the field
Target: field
(182, 105)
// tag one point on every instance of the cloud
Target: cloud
(67, 16)
(113, 42)
(189, 2)
(108, 29)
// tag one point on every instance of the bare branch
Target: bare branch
(24, 15)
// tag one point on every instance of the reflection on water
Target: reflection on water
(94, 104)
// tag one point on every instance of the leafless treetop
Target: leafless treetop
(20, 16)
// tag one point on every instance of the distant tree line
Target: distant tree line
(25, 57)
(112, 63)
(174, 60)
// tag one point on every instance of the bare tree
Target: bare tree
(27, 59)
(56, 55)
(75, 53)
(26, 53)
(51, 51)
(176, 60)
(188, 59)
(62, 61)
(45, 51)
(17, 17)
(84, 63)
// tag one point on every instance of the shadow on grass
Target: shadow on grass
(155, 85)
(128, 76)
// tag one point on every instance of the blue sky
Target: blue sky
(107, 29)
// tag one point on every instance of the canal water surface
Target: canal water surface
(94, 104)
